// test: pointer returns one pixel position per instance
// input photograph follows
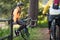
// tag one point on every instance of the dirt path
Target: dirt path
(44, 33)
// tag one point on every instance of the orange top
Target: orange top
(16, 14)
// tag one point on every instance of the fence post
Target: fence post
(11, 28)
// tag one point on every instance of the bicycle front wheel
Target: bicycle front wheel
(53, 31)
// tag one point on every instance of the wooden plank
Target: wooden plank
(4, 20)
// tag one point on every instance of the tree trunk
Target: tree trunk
(33, 11)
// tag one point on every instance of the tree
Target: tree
(33, 11)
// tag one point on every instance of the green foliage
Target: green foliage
(7, 5)
(4, 32)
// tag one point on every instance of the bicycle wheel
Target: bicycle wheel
(57, 32)
(53, 31)
(58, 28)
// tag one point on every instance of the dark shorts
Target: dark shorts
(51, 17)
(20, 22)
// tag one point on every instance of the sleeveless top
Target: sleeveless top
(16, 14)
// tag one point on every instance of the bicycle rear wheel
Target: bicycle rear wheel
(57, 32)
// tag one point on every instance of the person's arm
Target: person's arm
(46, 9)
(47, 6)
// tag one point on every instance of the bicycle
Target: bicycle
(55, 28)
(24, 32)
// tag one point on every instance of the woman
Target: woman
(53, 7)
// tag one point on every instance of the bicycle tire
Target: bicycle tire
(57, 33)
(53, 31)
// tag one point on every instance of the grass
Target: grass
(34, 34)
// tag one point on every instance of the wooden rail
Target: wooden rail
(4, 20)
